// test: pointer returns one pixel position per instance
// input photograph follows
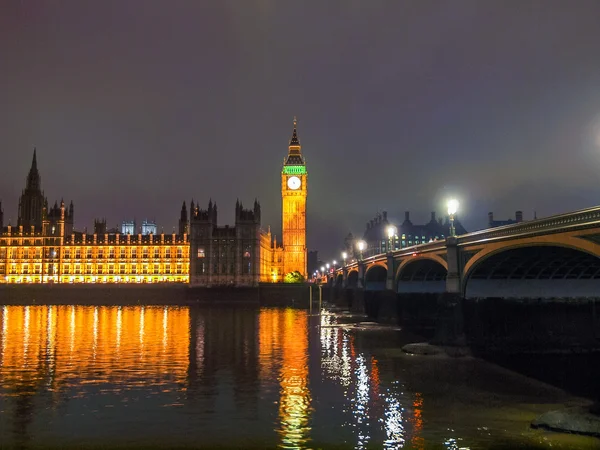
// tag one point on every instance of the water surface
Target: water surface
(243, 377)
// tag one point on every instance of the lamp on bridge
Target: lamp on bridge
(344, 256)
(452, 208)
(391, 232)
(361, 245)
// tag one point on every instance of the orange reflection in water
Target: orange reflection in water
(417, 441)
(283, 346)
(67, 345)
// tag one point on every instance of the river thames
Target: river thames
(246, 377)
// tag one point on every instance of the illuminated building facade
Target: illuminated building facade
(45, 248)
(84, 258)
(149, 227)
(293, 194)
(128, 227)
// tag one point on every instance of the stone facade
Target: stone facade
(225, 256)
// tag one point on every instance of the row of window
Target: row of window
(223, 253)
(89, 254)
(225, 269)
(100, 269)
(94, 279)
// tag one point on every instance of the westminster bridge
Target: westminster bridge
(533, 284)
(550, 257)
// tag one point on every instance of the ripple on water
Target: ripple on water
(152, 377)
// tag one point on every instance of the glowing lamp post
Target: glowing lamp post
(344, 256)
(452, 208)
(391, 232)
(361, 245)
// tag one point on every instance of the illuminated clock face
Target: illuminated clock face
(294, 183)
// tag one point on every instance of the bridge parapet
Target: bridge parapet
(586, 218)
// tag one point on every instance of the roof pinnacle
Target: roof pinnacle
(294, 142)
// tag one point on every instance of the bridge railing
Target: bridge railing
(419, 248)
(576, 219)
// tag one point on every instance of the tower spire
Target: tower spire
(34, 161)
(294, 142)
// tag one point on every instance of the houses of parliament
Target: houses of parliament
(45, 247)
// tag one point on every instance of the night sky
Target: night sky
(135, 106)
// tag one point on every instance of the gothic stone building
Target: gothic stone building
(45, 248)
(224, 256)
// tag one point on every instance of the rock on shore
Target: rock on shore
(571, 420)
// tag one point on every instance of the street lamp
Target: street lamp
(452, 208)
(344, 256)
(361, 245)
(391, 232)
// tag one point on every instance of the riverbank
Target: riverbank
(153, 294)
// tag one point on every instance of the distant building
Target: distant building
(407, 235)
(128, 227)
(148, 227)
(498, 223)
(100, 226)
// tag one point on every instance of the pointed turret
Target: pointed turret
(294, 157)
(183, 212)
(294, 141)
(256, 210)
(32, 199)
(183, 220)
(33, 178)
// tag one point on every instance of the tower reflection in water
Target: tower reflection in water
(283, 343)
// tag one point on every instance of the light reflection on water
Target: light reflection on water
(237, 377)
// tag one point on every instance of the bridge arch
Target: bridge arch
(352, 278)
(339, 279)
(375, 276)
(373, 265)
(550, 266)
(425, 273)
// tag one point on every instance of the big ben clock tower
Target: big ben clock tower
(293, 195)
